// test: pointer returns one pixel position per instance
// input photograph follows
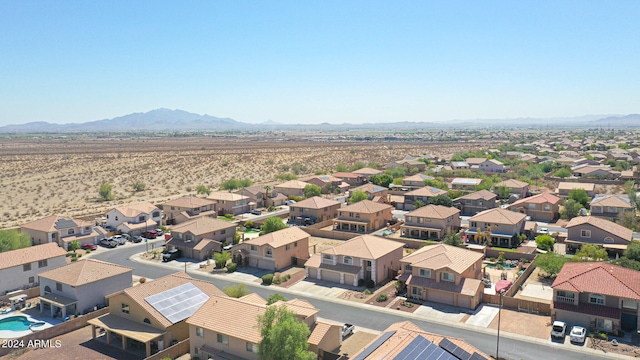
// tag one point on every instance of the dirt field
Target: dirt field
(45, 176)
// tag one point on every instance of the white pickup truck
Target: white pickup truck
(558, 329)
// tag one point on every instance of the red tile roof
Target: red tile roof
(599, 277)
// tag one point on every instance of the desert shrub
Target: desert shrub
(74, 259)
(236, 291)
(370, 284)
(267, 279)
(277, 280)
(271, 208)
(382, 298)
(228, 216)
(88, 251)
(287, 277)
(231, 267)
(360, 282)
(367, 292)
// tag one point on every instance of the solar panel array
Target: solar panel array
(477, 356)
(371, 348)
(65, 224)
(454, 349)
(422, 349)
(178, 303)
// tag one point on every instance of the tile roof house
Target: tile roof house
(600, 172)
(364, 257)
(405, 340)
(273, 251)
(200, 238)
(459, 165)
(444, 274)
(541, 207)
(486, 165)
(313, 210)
(256, 195)
(598, 296)
(62, 231)
(19, 268)
(374, 191)
(519, 188)
(363, 217)
(351, 178)
(422, 194)
(188, 208)
(496, 226)
(476, 202)
(431, 222)
(329, 184)
(565, 187)
(597, 231)
(415, 181)
(154, 313)
(465, 184)
(611, 206)
(76, 288)
(368, 172)
(134, 218)
(291, 188)
(230, 203)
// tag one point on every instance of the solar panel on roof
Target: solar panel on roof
(454, 349)
(65, 224)
(376, 344)
(422, 349)
(178, 303)
(477, 356)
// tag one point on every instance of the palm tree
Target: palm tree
(267, 188)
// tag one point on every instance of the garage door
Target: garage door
(331, 276)
(464, 301)
(440, 297)
(267, 264)
(253, 261)
(348, 279)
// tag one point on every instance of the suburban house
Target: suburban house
(200, 238)
(444, 274)
(611, 206)
(486, 165)
(368, 172)
(519, 188)
(600, 172)
(291, 188)
(597, 231)
(565, 187)
(188, 208)
(465, 184)
(365, 257)
(228, 328)
(541, 207)
(476, 202)
(19, 268)
(459, 165)
(135, 218)
(431, 222)
(275, 250)
(152, 315)
(376, 193)
(230, 203)
(363, 217)
(256, 194)
(496, 226)
(80, 286)
(598, 296)
(422, 194)
(313, 210)
(405, 340)
(353, 179)
(62, 231)
(329, 184)
(415, 181)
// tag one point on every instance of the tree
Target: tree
(74, 245)
(381, 180)
(503, 192)
(358, 195)
(551, 263)
(436, 184)
(105, 192)
(629, 220)
(562, 173)
(633, 250)
(272, 224)
(283, 336)
(630, 190)
(341, 167)
(230, 185)
(418, 204)
(275, 297)
(312, 190)
(545, 242)
(328, 188)
(590, 252)
(13, 240)
(221, 259)
(627, 263)
(236, 291)
(243, 183)
(267, 188)
(201, 189)
(443, 200)
(571, 209)
(453, 239)
(138, 186)
(579, 196)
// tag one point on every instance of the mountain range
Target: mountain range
(179, 120)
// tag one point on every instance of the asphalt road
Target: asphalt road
(484, 339)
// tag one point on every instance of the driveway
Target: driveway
(314, 287)
(248, 274)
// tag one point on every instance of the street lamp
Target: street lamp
(501, 287)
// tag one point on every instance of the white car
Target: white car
(558, 330)
(119, 239)
(578, 334)
(543, 231)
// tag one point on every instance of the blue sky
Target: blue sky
(321, 61)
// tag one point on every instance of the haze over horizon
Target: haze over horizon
(295, 63)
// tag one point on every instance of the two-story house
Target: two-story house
(597, 231)
(600, 172)
(376, 193)
(598, 296)
(200, 238)
(256, 194)
(19, 268)
(431, 222)
(368, 172)
(611, 206)
(422, 194)
(519, 188)
(350, 178)
(414, 181)
(230, 203)
(135, 218)
(476, 202)
(62, 231)
(465, 184)
(459, 165)
(487, 165)
(188, 208)
(313, 210)
(153, 314)
(291, 188)
(329, 184)
(275, 250)
(364, 257)
(496, 226)
(363, 217)
(565, 187)
(444, 274)
(541, 207)
(78, 287)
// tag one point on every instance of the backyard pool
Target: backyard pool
(18, 323)
(504, 266)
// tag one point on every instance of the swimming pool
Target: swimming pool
(17, 323)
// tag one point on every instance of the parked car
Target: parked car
(150, 234)
(126, 237)
(110, 228)
(119, 239)
(228, 247)
(558, 329)
(347, 329)
(578, 334)
(171, 255)
(289, 202)
(137, 238)
(108, 243)
(159, 232)
(256, 212)
(543, 230)
(89, 247)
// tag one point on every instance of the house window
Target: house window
(327, 257)
(612, 209)
(125, 308)
(409, 219)
(474, 224)
(222, 232)
(146, 321)
(565, 294)
(448, 277)
(420, 220)
(425, 273)
(199, 331)
(157, 213)
(585, 233)
(71, 231)
(295, 244)
(608, 239)
(368, 262)
(172, 208)
(116, 218)
(604, 324)
(348, 260)
(596, 299)
(31, 279)
(47, 290)
(43, 263)
(254, 248)
(26, 267)
(252, 348)
(532, 206)
(287, 247)
(223, 339)
(547, 207)
(415, 290)
(408, 267)
(350, 214)
(480, 203)
(87, 228)
(358, 215)
(269, 252)
(58, 286)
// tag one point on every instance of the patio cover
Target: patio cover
(421, 228)
(58, 300)
(127, 328)
(615, 246)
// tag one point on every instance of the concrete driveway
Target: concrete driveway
(314, 287)
(248, 274)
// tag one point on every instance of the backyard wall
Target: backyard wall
(491, 253)
(31, 293)
(172, 352)
(518, 304)
(317, 231)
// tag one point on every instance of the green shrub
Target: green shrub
(228, 216)
(360, 282)
(277, 280)
(382, 298)
(271, 208)
(267, 279)
(74, 259)
(370, 284)
(248, 224)
(231, 267)
(287, 277)
(88, 251)
(367, 292)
